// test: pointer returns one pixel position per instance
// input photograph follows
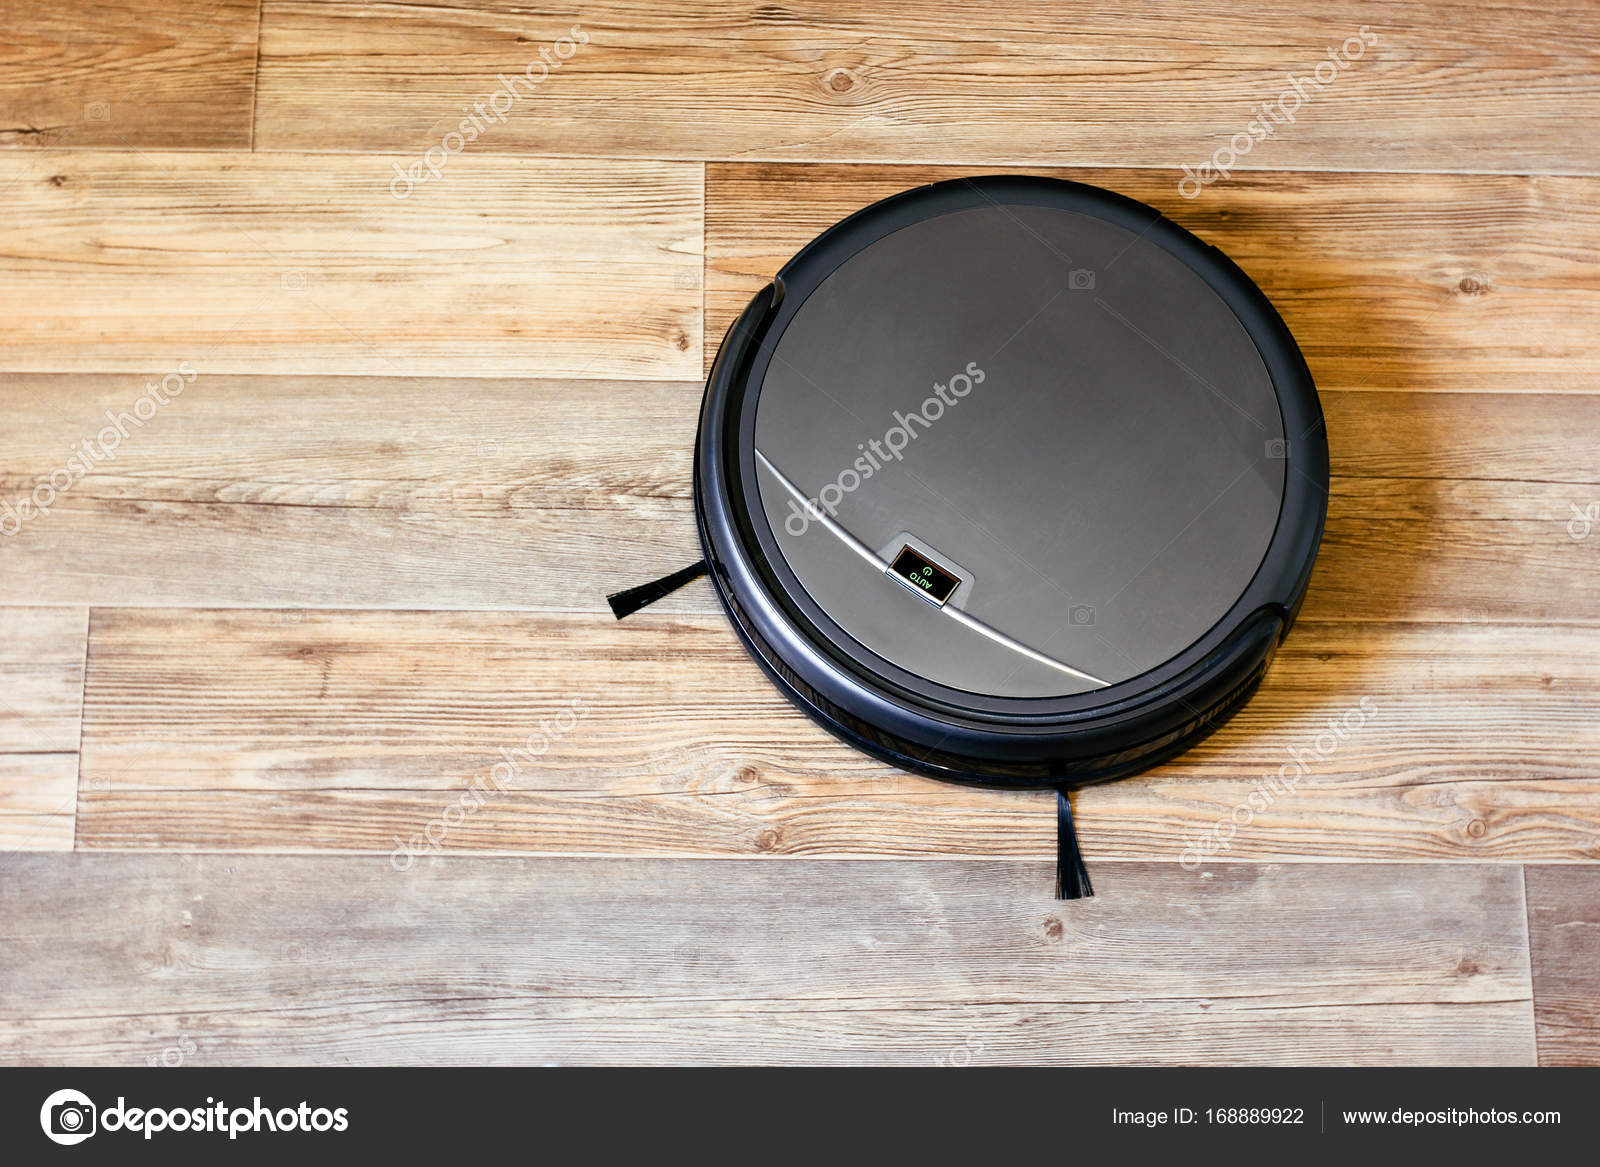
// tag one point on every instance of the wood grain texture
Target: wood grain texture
(476, 493)
(353, 491)
(41, 678)
(38, 798)
(250, 960)
(1447, 86)
(135, 263)
(138, 74)
(1387, 281)
(41, 698)
(1564, 937)
(251, 731)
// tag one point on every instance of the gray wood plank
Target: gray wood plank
(1564, 935)
(325, 960)
(315, 491)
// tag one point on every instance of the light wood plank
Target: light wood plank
(38, 797)
(1460, 506)
(41, 698)
(478, 493)
(142, 263)
(251, 960)
(1564, 935)
(1437, 569)
(41, 678)
(307, 491)
(1449, 85)
(139, 74)
(356, 731)
(1423, 281)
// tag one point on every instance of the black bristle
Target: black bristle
(625, 603)
(1072, 877)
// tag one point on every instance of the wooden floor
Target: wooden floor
(354, 554)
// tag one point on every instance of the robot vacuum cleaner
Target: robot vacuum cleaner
(1011, 481)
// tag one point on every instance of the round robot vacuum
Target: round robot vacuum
(1011, 481)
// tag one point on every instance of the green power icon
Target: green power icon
(911, 567)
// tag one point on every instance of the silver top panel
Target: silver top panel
(1060, 415)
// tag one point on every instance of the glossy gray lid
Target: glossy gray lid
(1101, 468)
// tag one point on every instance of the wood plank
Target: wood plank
(1441, 569)
(318, 491)
(249, 960)
(236, 731)
(41, 678)
(1488, 450)
(139, 74)
(141, 263)
(1564, 936)
(478, 493)
(41, 699)
(1448, 85)
(1418, 281)
(38, 797)
(1460, 506)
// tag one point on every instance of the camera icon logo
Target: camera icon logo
(1278, 448)
(1080, 279)
(68, 1117)
(1081, 615)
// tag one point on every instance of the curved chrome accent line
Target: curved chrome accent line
(1033, 654)
(823, 517)
(956, 614)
